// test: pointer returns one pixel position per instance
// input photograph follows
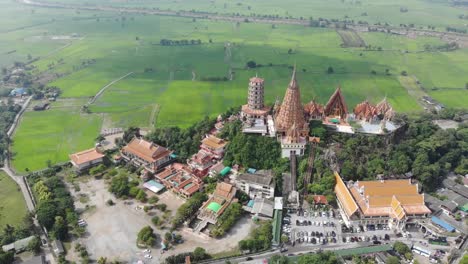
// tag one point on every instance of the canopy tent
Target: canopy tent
(442, 224)
(225, 171)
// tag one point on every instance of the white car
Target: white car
(148, 256)
(147, 251)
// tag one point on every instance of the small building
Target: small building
(221, 198)
(293, 143)
(142, 153)
(36, 260)
(259, 184)
(154, 186)
(58, 248)
(441, 223)
(320, 200)
(216, 169)
(262, 208)
(18, 92)
(41, 107)
(86, 159)
(19, 245)
(214, 146)
(180, 180)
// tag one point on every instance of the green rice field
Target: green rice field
(12, 204)
(173, 85)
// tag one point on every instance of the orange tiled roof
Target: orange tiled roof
(224, 190)
(395, 198)
(345, 196)
(86, 156)
(146, 150)
(214, 142)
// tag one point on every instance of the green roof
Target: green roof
(464, 208)
(225, 171)
(363, 250)
(277, 219)
(214, 206)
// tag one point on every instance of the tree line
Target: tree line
(182, 42)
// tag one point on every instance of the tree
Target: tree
(401, 248)
(35, 245)
(199, 254)
(393, 260)
(60, 228)
(102, 260)
(278, 259)
(46, 212)
(120, 185)
(284, 239)
(6, 257)
(146, 236)
(251, 64)
(155, 220)
(330, 70)
(404, 73)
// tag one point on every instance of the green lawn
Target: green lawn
(52, 135)
(12, 204)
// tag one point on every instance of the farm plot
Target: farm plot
(12, 204)
(351, 38)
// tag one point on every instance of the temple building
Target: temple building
(336, 110)
(365, 111)
(211, 151)
(255, 114)
(255, 107)
(384, 110)
(142, 153)
(313, 110)
(293, 143)
(395, 203)
(291, 111)
(180, 180)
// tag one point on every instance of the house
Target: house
(142, 153)
(36, 260)
(18, 92)
(392, 202)
(41, 107)
(320, 200)
(214, 146)
(259, 184)
(180, 180)
(261, 208)
(19, 245)
(211, 151)
(86, 159)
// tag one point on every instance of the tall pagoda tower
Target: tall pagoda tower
(291, 111)
(255, 107)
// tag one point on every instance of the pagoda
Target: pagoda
(336, 109)
(255, 107)
(291, 111)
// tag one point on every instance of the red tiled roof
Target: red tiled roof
(86, 156)
(146, 150)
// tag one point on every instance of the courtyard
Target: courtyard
(112, 230)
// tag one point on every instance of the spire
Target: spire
(293, 84)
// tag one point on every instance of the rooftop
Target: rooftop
(260, 177)
(263, 207)
(214, 142)
(86, 156)
(146, 150)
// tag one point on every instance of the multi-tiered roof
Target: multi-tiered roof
(291, 110)
(336, 106)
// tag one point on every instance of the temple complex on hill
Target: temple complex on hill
(289, 120)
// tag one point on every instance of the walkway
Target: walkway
(107, 86)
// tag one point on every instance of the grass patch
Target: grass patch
(12, 204)
(52, 135)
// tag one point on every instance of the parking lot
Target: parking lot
(324, 226)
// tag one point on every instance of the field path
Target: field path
(107, 86)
